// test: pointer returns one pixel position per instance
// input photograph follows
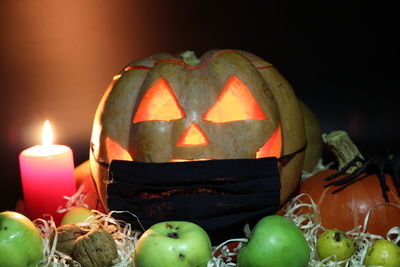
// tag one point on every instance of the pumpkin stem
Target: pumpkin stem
(343, 148)
(190, 58)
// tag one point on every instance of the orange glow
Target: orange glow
(235, 103)
(185, 160)
(273, 146)
(159, 103)
(193, 136)
(115, 151)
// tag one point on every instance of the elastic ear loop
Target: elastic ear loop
(99, 161)
(288, 157)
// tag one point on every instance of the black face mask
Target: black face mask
(219, 195)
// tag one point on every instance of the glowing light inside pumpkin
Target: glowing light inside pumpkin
(115, 151)
(193, 136)
(235, 103)
(185, 160)
(273, 146)
(159, 104)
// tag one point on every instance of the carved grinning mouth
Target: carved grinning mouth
(184, 160)
(271, 148)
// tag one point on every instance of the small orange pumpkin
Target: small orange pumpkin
(348, 208)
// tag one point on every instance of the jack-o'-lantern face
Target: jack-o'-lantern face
(186, 131)
(164, 109)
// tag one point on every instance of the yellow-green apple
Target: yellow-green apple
(21, 243)
(275, 241)
(77, 215)
(383, 253)
(173, 244)
(336, 244)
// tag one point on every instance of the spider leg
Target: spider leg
(350, 183)
(353, 175)
(394, 163)
(343, 170)
(382, 179)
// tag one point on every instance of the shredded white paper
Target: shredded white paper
(320, 166)
(126, 238)
(51, 256)
(76, 200)
(309, 224)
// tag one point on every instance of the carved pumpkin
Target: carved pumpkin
(228, 104)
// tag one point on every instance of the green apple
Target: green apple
(383, 253)
(21, 243)
(335, 243)
(77, 215)
(173, 244)
(275, 241)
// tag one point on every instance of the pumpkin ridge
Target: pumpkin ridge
(257, 62)
(395, 197)
(355, 216)
(265, 67)
(322, 197)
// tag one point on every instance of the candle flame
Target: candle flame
(47, 133)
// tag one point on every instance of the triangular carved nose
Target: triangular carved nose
(193, 136)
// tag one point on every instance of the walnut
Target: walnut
(66, 236)
(95, 249)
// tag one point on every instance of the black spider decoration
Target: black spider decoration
(389, 164)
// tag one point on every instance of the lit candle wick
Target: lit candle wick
(47, 134)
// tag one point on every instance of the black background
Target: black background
(57, 58)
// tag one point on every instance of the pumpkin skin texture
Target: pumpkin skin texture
(126, 128)
(313, 136)
(348, 208)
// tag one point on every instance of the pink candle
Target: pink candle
(47, 174)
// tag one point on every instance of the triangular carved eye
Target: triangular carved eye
(159, 103)
(235, 103)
